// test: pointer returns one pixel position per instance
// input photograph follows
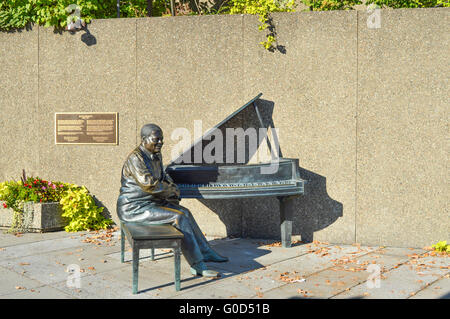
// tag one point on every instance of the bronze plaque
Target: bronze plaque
(86, 128)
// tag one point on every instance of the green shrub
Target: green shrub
(397, 4)
(78, 206)
(262, 8)
(442, 247)
(326, 5)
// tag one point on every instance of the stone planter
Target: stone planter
(37, 217)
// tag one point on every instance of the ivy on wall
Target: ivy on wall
(18, 14)
(262, 8)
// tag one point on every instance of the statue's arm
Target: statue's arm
(174, 192)
(143, 177)
(147, 181)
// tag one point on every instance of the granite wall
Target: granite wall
(361, 103)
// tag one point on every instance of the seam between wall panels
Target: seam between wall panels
(135, 84)
(36, 112)
(356, 125)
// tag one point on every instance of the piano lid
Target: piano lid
(215, 147)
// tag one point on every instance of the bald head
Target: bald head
(148, 129)
(152, 138)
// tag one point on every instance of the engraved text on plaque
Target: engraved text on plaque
(86, 128)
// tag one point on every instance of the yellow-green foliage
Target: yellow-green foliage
(397, 4)
(327, 5)
(17, 14)
(80, 208)
(262, 8)
(77, 204)
(442, 247)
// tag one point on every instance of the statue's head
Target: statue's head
(152, 138)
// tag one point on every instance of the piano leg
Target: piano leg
(286, 220)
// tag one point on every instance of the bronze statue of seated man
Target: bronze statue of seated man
(149, 196)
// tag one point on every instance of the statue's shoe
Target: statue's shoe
(200, 269)
(212, 256)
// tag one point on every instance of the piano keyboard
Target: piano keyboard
(241, 190)
(237, 185)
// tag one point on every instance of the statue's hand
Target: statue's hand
(174, 200)
(177, 191)
(173, 190)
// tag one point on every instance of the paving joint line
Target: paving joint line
(246, 272)
(389, 270)
(427, 286)
(383, 272)
(311, 274)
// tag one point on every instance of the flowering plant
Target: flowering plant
(33, 190)
(77, 204)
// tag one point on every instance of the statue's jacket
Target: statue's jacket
(147, 194)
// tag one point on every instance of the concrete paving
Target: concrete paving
(87, 265)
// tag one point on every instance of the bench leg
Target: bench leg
(122, 245)
(176, 253)
(135, 269)
(152, 254)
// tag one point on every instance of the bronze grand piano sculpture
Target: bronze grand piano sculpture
(228, 181)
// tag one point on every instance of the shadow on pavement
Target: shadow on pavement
(241, 254)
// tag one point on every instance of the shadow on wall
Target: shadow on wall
(260, 217)
(315, 210)
(28, 27)
(87, 38)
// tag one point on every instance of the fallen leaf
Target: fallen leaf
(20, 287)
(299, 280)
(24, 264)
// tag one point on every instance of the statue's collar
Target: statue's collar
(152, 156)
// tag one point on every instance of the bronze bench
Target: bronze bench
(142, 236)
